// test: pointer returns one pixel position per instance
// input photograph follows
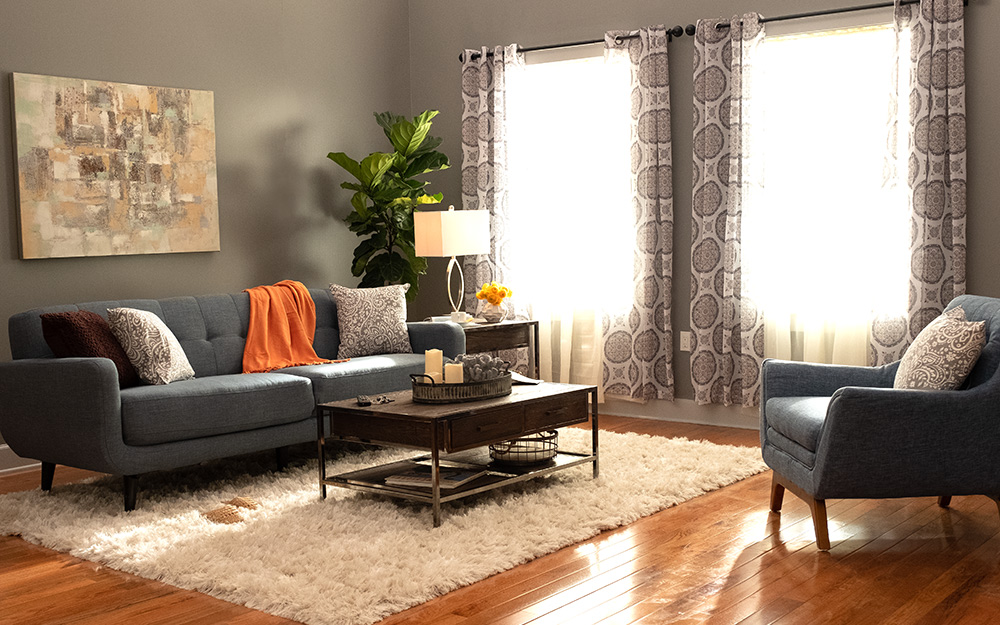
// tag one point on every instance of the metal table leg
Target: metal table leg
(593, 431)
(436, 478)
(321, 452)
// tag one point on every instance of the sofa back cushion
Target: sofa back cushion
(212, 329)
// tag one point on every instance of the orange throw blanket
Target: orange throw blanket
(282, 327)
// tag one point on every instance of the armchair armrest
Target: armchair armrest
(448, 337)
(784, 378)
(62, 410)
(883, 442)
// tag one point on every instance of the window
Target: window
(569, 180)
(825, 241)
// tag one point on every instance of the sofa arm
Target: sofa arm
(883, 442)
(448, 337)
(784, 378)
(62, 410)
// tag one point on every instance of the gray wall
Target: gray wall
(292, 82)
(440, 29)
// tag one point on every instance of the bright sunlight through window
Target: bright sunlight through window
(570, 183)
(824, 239)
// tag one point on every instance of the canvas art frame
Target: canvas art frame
(106, 168)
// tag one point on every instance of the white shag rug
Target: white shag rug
(354, 558)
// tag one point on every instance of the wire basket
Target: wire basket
(527, 450)
(430, 393)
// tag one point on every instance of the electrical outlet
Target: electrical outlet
(685, 341)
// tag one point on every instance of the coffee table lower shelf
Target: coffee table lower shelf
(372, 479)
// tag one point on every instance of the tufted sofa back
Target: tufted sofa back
(212, 329)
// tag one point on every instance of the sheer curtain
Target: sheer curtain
(570, 231)
(825, 242)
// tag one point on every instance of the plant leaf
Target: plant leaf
(373, 167)
(349, 164)
(432, 161)
(387, 120)
(429, 144)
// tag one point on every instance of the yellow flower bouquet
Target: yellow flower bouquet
(494, 293)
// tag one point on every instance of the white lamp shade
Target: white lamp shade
(451, 232)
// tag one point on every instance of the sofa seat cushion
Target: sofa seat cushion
(220, 404)
(365, 375)
(798, 422)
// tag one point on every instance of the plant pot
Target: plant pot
(493, 314)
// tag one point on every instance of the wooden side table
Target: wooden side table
(490, 337)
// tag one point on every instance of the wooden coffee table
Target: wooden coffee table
(457, 435)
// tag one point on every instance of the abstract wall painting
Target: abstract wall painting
(108, 168)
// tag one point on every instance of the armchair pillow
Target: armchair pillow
(943, 354)
(152, 348)
(85, 334)
(372, 321)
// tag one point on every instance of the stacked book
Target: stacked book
(420, 475)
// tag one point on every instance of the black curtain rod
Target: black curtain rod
(864, 7)
(676, 31)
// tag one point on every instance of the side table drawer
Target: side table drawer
(486, 427)
(556, 412)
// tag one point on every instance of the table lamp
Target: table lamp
(452, 233)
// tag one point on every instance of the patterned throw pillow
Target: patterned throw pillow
(153, 349)
(85, 334)
(372, 321)
(943, 354)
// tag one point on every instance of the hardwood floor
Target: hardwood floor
(719, 558)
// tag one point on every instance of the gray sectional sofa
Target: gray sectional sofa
(71, 411)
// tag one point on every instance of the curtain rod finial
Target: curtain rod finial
(690, 30)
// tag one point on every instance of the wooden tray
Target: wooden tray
(430, 393)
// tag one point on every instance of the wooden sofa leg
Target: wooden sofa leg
(281, 456)
(48, 472)
(944, 501)
(777, 493)
(131, 491)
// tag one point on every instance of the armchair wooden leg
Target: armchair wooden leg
(777, 493)
(131, 491)
(48, 472)
(944, 501)
(817, 507)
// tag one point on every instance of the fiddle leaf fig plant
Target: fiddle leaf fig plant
(386, 193)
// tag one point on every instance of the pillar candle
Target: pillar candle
(434, 376)
(453, 373)
(432, 361)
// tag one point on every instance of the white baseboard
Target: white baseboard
(12, 463)
(685, 411)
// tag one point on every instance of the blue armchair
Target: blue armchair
(831, 431)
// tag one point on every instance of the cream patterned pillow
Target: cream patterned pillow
(943, 354)
(372, 321)
(150, 345)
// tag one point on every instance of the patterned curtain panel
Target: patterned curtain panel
(484, 160)
(935, 163)
(727, 328)
(638, 346)
(484, 174)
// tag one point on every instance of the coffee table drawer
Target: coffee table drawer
(487, 427)
(555, 412)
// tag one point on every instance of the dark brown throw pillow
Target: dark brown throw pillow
(84, 334)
